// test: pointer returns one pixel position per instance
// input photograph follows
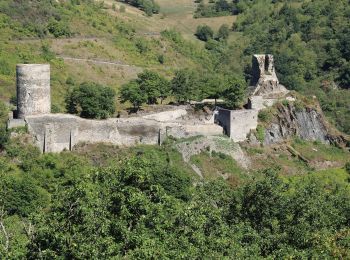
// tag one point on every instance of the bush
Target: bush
(204, 33)
(59, 28)
(264, 116)
(91, 100)
(148, 6)
(347, 167)
(260, 133)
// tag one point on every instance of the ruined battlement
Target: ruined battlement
(264, 80)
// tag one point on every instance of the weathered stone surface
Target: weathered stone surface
(213, 143)
(237, 124)
(264, 79)
(33, 89)
(12, 123)
(167, 116)
(307, 124)
(56, 132)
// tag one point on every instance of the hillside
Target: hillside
(105, 43)
(281, 192)
(110, 49)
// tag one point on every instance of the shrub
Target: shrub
(91, 100)
(59, 28)
(347, 167)
(264, 116)
(204, 33)
(142, 45)
(260, 133)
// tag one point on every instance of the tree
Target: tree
(212, 85)
(184, 85)
(132, 92)
(223, 32)
(204, 33)
(235, 92)
(91, 100)
(153, 86)
(165, 89)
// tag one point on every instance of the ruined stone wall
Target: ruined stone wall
(242, 121)
(56, 132)
(33, 89)
(264, 80)
(237, 123)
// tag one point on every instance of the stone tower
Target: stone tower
(264, 79)
(33, 89)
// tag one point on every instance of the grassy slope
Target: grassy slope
(98, 38)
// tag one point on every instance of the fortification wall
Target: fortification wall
(33, 89)
(56, 132)
(242, 121)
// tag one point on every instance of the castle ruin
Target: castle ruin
(58, 132)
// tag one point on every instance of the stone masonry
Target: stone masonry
(33, 89)
(56, 132)
(264, 80)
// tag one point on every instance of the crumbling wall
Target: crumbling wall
(264, 80)
(167, 116)
(237, 123)
(57, 132)
(242, 121)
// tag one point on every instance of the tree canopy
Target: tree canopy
(91, 100)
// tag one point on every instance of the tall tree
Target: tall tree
(235, 92)
(185, 85)
(153, 86)
(132, 92)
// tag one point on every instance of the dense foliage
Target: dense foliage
(215, 8)
(91, 100)
(150, 7)
(148, 87)
(310, 42)
(141, 204)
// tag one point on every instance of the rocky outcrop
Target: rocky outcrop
(306, 123)
(220, 144)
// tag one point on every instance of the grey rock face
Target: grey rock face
(311, 126)
(307, 124)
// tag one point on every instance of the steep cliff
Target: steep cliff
(306, 122)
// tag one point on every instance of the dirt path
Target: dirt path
(117, 63)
